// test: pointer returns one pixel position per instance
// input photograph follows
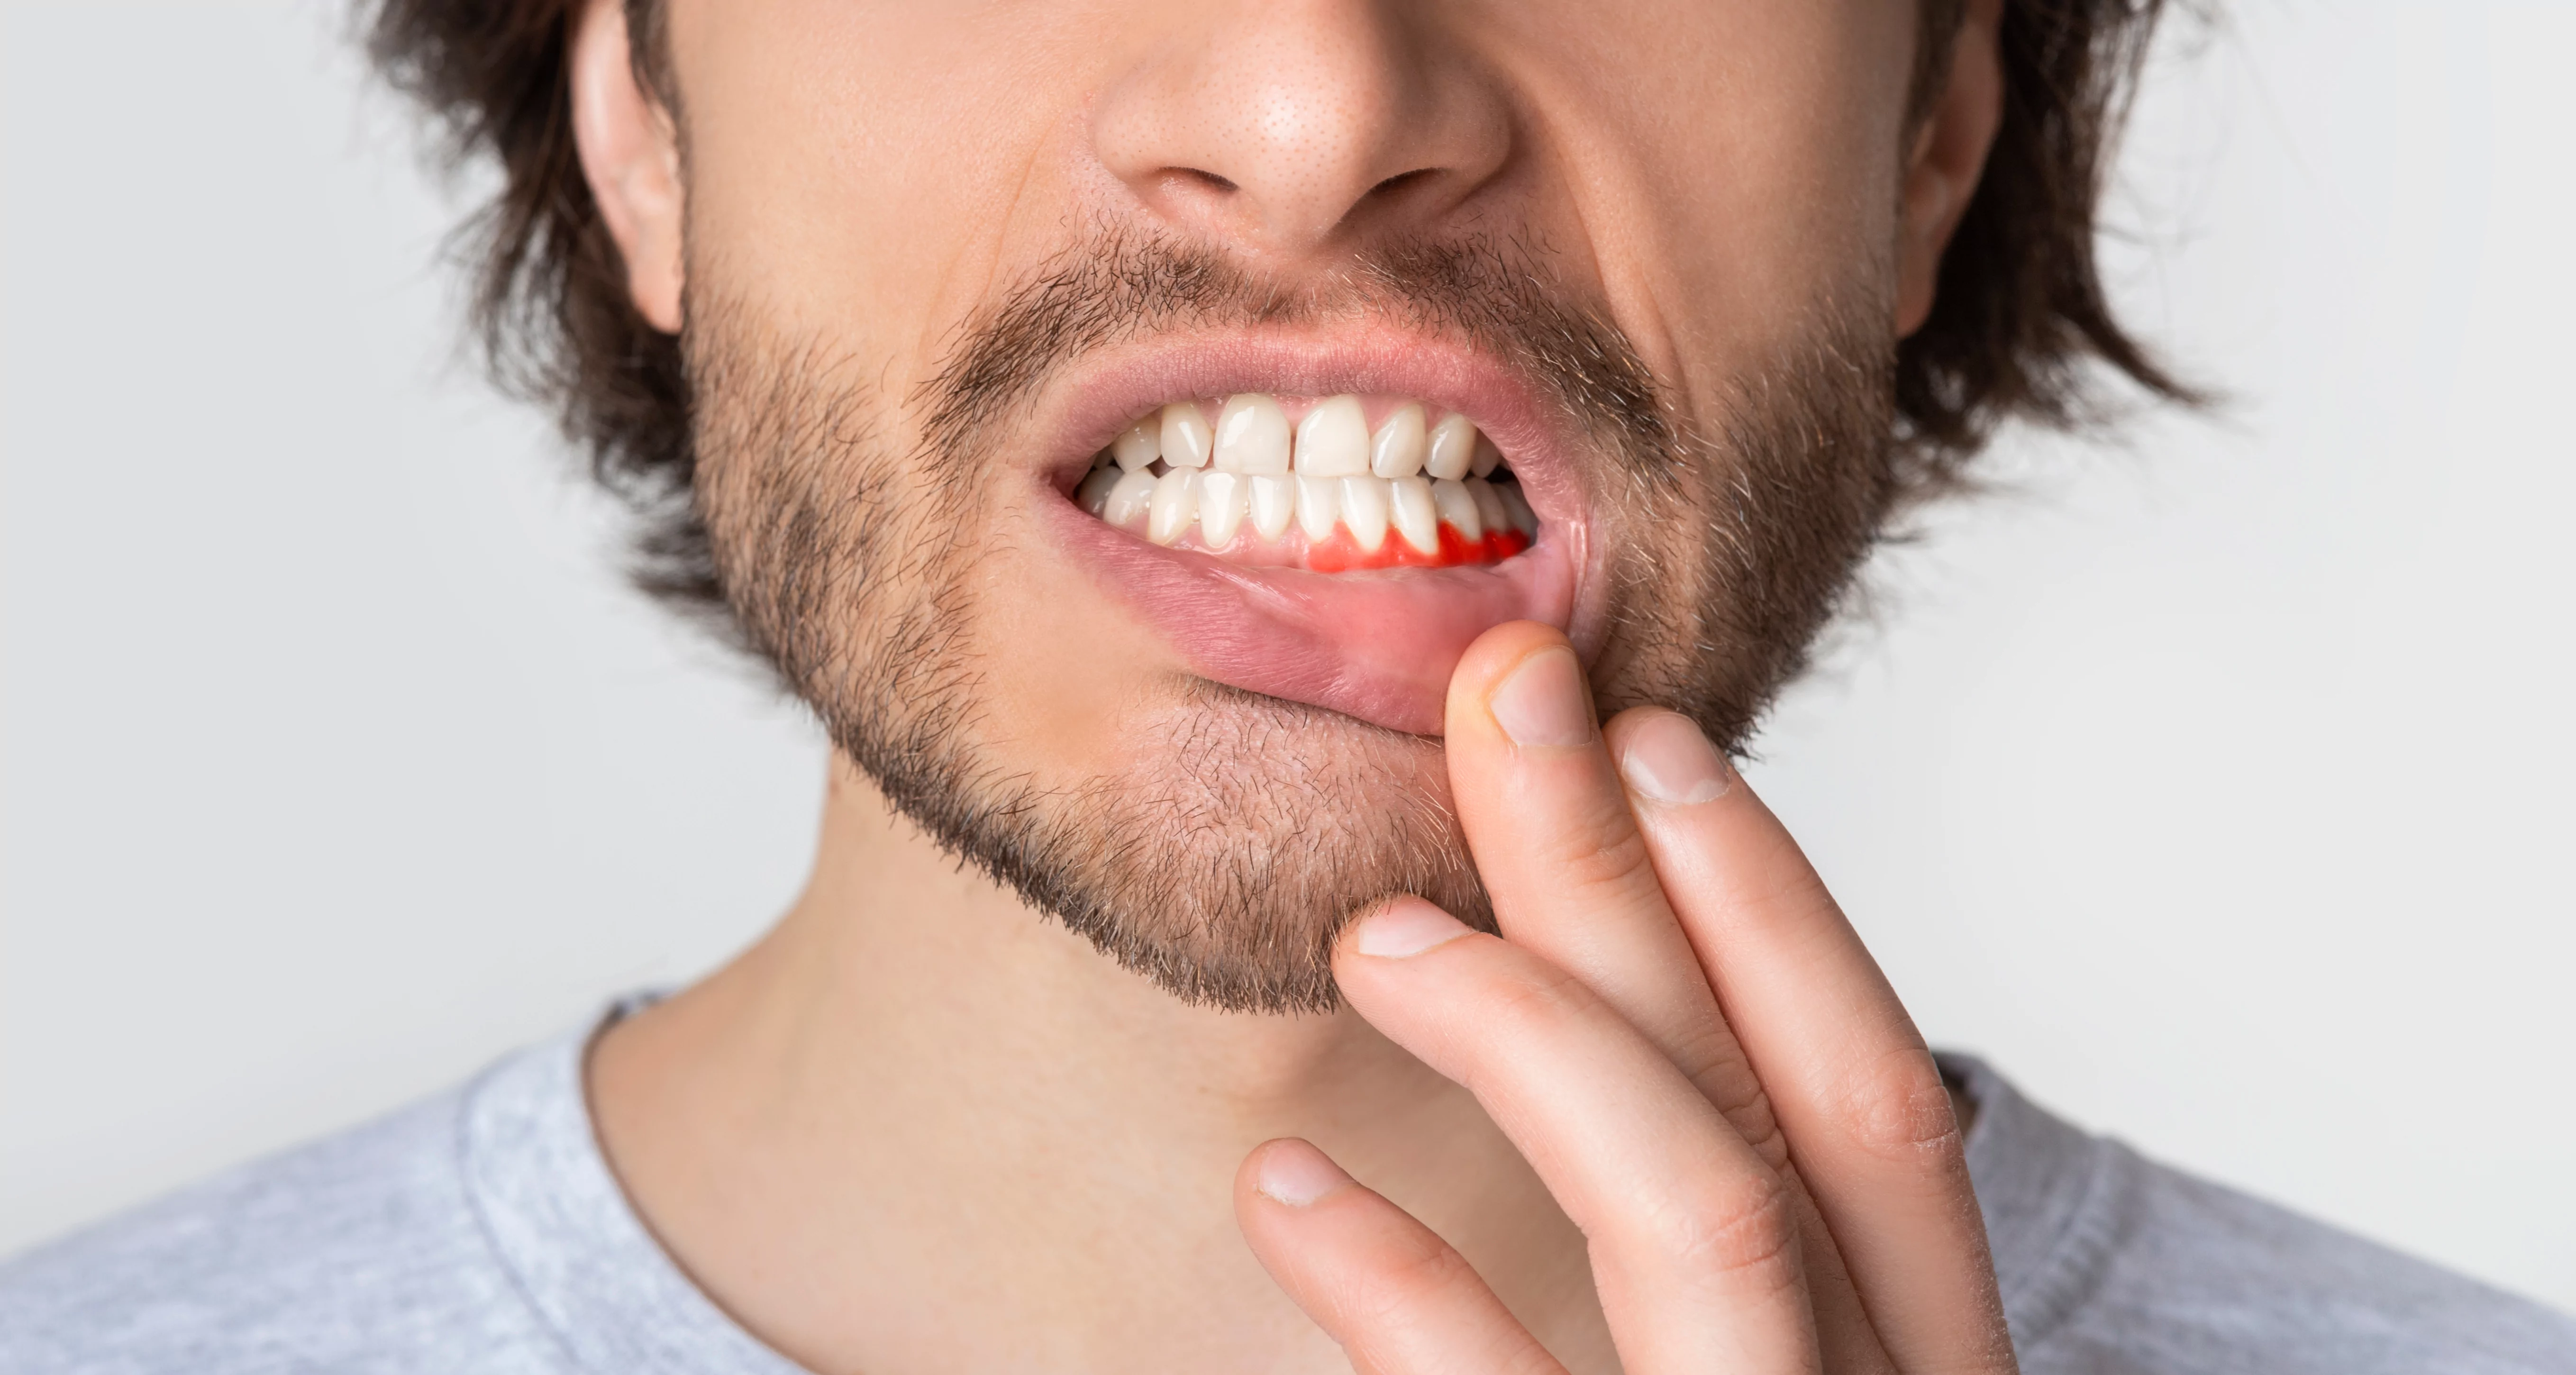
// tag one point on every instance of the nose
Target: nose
(1284, 127)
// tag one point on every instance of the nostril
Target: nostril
(1208, 179)
(1401, 180)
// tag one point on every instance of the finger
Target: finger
(1694, 1241)
(1569, 874)
(1399, 1299)
(1549, 820)
(1868, 1119)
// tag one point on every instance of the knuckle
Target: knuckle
(1898, 1110)
(1711, 1058)
(1530, 1006)
(1411, 1273)
(1743, 1226)
(1596, 846)
(1735, 1090)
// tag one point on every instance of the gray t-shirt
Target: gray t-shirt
(481, 1232)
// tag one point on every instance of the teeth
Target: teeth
(1136, 449)
(1184, 435)
(1093, 494)
(1452, 448)
(1174, 505)
(1364, 510)
(1489, 505)
(1417, 513)
(1222, 497)
(1397, 448)
(1524, 519)
(1319, 508)
(1175, 472)
(1333, 440)
(1458, 507)
(1251, 435)
(1128, 499)
(1274, 504)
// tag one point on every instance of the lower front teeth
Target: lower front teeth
(1223, 499)
(1364, 509)
(1457, 508)
(1274, 504)
(1319, 507)
(1216, 506)
(1417, 516)
(1175, 505)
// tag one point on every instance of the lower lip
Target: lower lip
(1379, 646)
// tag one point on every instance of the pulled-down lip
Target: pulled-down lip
(1378, 645)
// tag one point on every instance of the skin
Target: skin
(1671, 1118)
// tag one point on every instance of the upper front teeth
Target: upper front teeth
(1251, 435)
(1333, 440)
(1183, 437)
(1175, 470)
(1451, 448)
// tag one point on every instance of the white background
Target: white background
(2217, 786)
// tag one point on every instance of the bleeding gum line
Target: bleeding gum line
(1342, 553)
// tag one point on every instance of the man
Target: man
(1301, 499)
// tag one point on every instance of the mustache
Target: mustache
(1120, 286)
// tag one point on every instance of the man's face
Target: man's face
(940, 257)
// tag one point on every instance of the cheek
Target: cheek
(1731, 162)
(859, 167)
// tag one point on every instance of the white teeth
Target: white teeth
(1128, 499)
(1093, 494)
(1184, 435)
(1221, 504)
(1273, 503)
(1417, 513)
(1252, 435)
(1175, 471)
(1489, 505)
(1333, 440)
(1136, 449)
(1175, 505)
(1397, 448)
(1364, 510)
(1458, 507)
(1319, 508)
(1452, 448)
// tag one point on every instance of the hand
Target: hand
(1687, 1041)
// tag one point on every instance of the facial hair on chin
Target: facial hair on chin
(1223, 869)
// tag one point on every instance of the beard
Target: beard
(1225, 861)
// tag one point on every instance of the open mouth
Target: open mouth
(1325, 516)
(1338, 484)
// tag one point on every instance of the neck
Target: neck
(920, 1126)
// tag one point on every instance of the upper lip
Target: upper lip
(1090, 403)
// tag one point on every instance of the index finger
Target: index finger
(1868, 1119)
(1570, 876)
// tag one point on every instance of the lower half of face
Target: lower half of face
(1160, 638)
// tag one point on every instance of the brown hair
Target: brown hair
(2020, 326)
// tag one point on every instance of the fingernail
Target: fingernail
(1297, 1174)
(1542, 702)
(1667, 760)
(1405, 927)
